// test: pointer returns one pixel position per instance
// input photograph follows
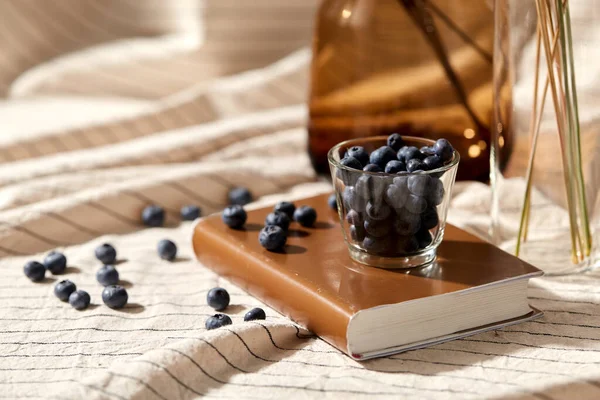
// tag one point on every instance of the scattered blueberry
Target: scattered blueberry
(106, 253)
(217, 321)
(218, 298)
(55, 262)
(279, 219)
(419, 184)
(234, 216)
(63, 289)
(239, 196)
(432, 162)
(351, 162)
(372, 168)
(107, 275)
(382, 156)
(255, 314)
(305, 216)
(359, 153)
(79, 299)
(167, 250)
(414, 165)
(395, 166)
(286, 207)
(332, 201)
(153, 216)
(115, 296)
(444, 149)
(395, 141)
(190, 213)
(430, 218)
(35, 271)
(272, 237)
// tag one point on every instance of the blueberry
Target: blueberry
(286, 207)
(372, 168)
(364, 187)
(218, 298)
(414, 165)
(272, 237)
(332, 201)
(79, 299)
(190, 213)
(35, 271)
(427, 151)
(432, 162)
(407, 223)
(411, 245)
(395, 166)
(354, 218)
(55, 262)
(378, 211)
(382, 156)
(234, 216)
(107, 275)
(429, 218)
(415, 204)
(419, 184)
(217, 321)
(395, 141)
(351, 162)
(396, 196)
(167, 250)
(423, 238)
(239, 196)
(63, 289)
(377, 228)
(357, 233)
(359, 153)
(444, 150)
(305, 216)
(106, 253)
(115, 296)
(408, 153)
(377, 245)
(279, 219)
(153, 216)
(255, 314)
(401, 181)
(352, 200)
(435, 196)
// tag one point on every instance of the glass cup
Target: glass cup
(391, 220)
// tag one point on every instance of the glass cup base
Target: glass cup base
(401, 262)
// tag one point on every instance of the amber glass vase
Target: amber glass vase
(416, 67)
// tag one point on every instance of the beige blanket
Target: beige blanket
(113, 105)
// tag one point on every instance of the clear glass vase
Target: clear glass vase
(545, 158)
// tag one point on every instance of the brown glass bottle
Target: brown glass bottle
(416, 67)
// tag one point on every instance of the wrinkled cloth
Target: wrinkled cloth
(91, 135)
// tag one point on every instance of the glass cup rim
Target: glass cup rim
(351, 142)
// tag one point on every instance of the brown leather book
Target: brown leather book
(365, 311)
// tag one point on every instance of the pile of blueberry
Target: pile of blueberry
(218, 298)
(392, 214)
(273, 236)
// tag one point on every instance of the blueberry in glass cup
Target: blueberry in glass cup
(393, 194)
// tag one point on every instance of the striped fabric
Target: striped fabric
(113, 105)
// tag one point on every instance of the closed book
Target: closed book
(365, 311)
